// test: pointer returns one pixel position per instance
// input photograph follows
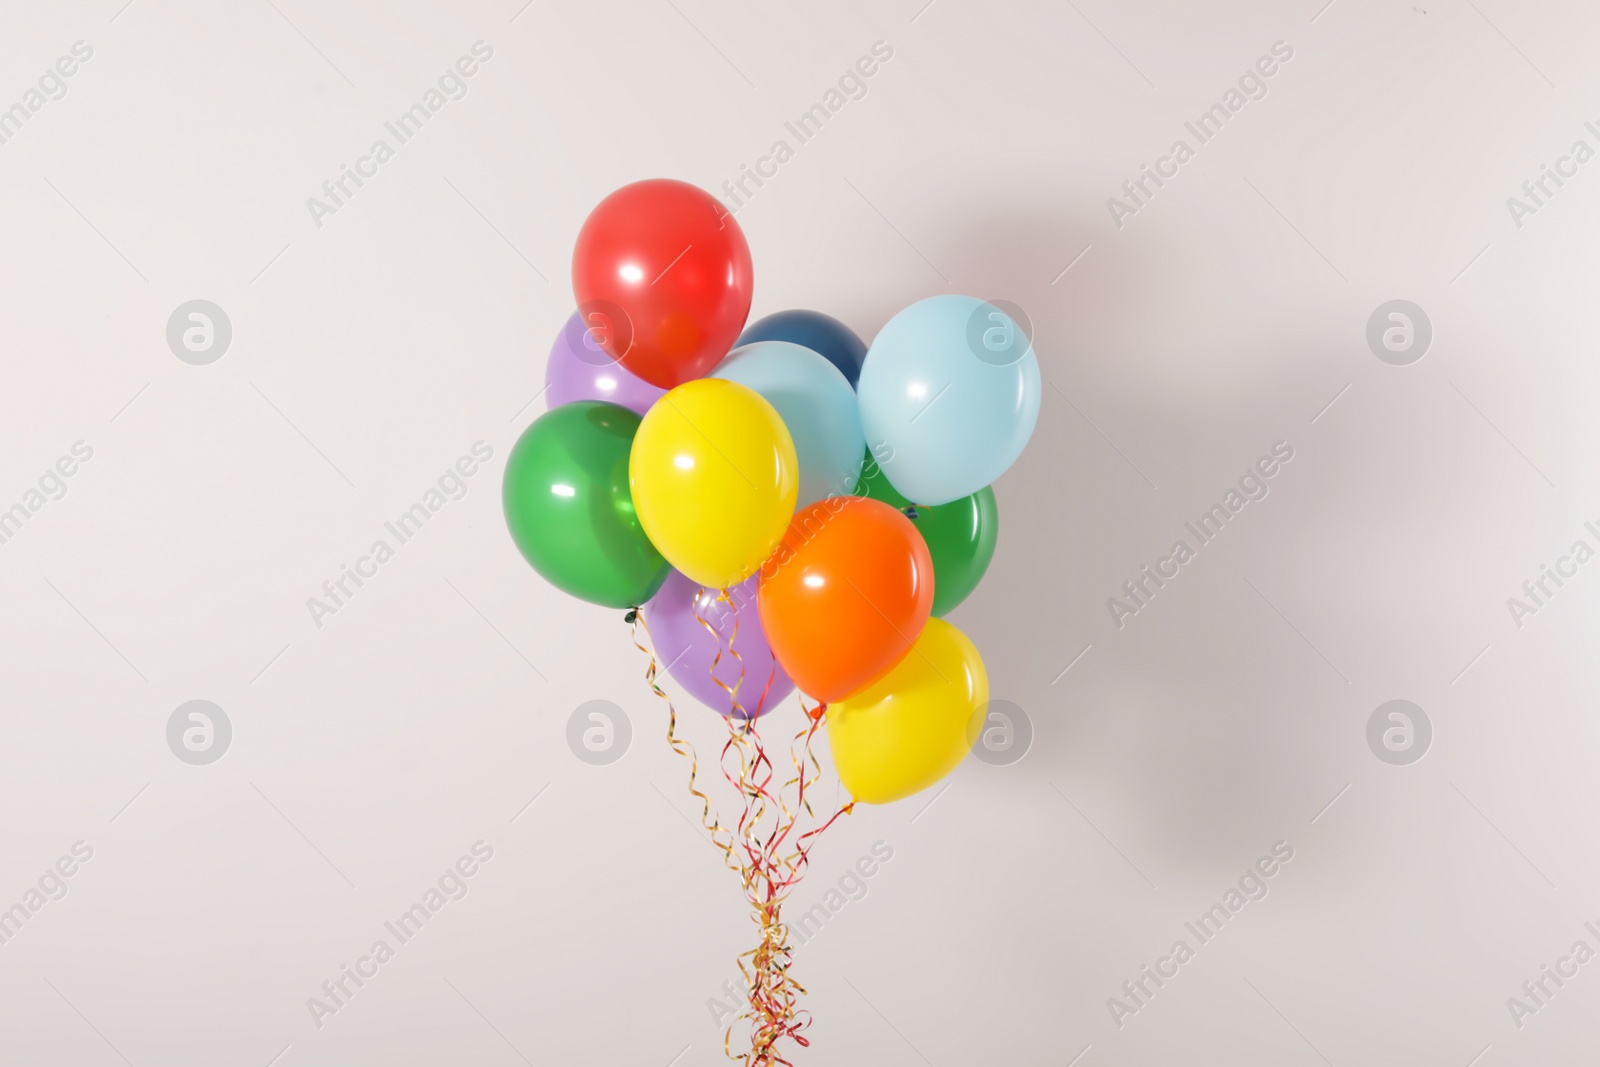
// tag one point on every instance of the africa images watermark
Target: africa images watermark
(52, 85)
(1252, 886)
(599, 732)
(199, 732)
(852, 85)
(51, 886)
(52, 485)
(1537, 591)
(1537, 192)
(817, 516)
(1253, 485)
(452, 485)
(452, 85)
(1252, 85)
(1536, 992)
(451, 885)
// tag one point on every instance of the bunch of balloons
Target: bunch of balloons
(782, 505)
(840, 490)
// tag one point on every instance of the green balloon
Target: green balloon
(569, 509)
(960, 535)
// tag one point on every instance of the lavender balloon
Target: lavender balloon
(683, 644)
(579, 369)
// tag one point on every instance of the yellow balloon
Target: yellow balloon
(911, 727)
(714, 478)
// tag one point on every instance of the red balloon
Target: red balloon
(845, 595)
(662, 276)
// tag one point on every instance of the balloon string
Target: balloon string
(773, 1002)
(755, 786)
(802, 759)
(731, 690)
(767, 847)
(750, 772)
(755, 770)
(720, 837)
(772, 1008)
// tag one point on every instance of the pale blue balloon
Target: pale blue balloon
(950, 392)
(817, 405)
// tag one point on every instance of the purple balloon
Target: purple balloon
(579, 369)
(683, 644)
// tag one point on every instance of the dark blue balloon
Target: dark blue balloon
(823, 334)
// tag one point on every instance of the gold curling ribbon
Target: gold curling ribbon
(769, 847)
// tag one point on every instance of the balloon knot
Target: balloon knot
(911, 512)
(631, 617)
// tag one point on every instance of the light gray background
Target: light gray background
(369, 353)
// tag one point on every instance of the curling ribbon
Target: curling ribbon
(767, 846)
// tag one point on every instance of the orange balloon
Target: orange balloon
(845, 595)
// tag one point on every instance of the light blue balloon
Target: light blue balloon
(817, 405)
(951, 387)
